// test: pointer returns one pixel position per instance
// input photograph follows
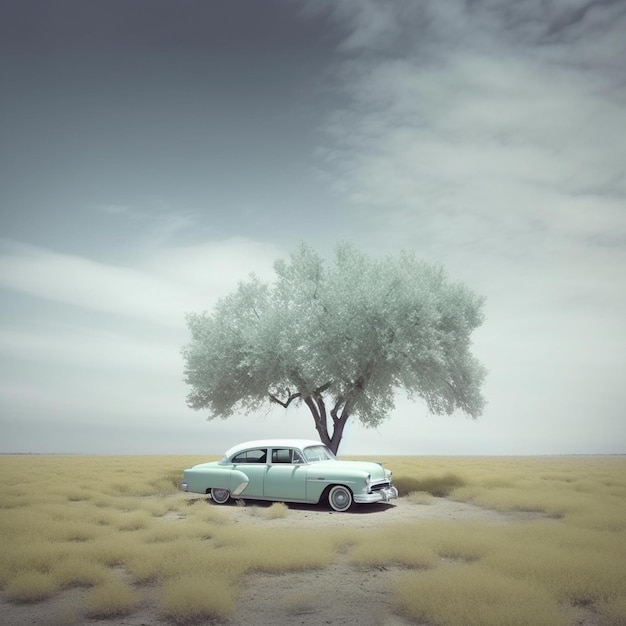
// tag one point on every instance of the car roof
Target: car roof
(273, 443)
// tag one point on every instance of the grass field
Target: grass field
(113, 525)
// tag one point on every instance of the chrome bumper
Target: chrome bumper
(184, 487)
(380, 495)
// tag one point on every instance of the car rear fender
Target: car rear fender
(238, 482)
(203, 480)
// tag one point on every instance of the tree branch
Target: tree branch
(323, 388)
(318, 410)
(286, 403)
(334, 412)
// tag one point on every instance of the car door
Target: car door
(286, 475)
(253, 463)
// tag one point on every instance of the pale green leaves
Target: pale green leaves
(359, 329)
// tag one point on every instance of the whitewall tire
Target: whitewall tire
(340, 498)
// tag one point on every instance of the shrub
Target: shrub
(438, 486)
(77, 572)
(112, 599)
(403, 546)
(196, 597)
(421, 497)
(470, 595)
(575, 565)
(133, 521)
(276, 511)
(459, 541)
(261, 550)
(30, 587)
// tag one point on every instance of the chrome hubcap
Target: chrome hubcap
(340, 499)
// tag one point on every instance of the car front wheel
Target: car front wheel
(340, 498)
(220, 496)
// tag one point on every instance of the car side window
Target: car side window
(282, 455)
(258, 455)
(286, 455)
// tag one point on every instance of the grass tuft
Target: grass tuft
(134, 521)
(77, 572)
(471, 595)
(403, 547)
(113, 598)
(438, 486)
(421, 497)
(30, 587)
(190, 598)
(265, 550)
(277, 510)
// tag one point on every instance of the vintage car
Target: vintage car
(290, 470)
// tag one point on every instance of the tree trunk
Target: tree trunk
(337, 433)
(320, 417)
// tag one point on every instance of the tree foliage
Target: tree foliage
(342, 338)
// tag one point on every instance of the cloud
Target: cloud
(216, 268)
(99, 352)
(101, 348)
(448, 123)
(153, 227)
(481, 146)
(159, 289)
(483, 135)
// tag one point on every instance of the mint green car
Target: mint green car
(290, 470)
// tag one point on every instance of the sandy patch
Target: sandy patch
(373, 515)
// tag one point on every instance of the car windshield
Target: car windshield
(318, 453)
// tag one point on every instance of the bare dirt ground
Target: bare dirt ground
(339, 594)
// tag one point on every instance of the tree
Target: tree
(341, 338)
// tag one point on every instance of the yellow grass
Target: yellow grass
(575, 565)
(191, 597)
(472, 595)
(265, 550)
(421, 497)
(112, 599)
(30, 586)
(79, 521)
(461, 541)
(402, 546)
(78, 572)
(276, 511)
(133, 521)
(439, 486)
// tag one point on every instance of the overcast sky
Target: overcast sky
(155, 152)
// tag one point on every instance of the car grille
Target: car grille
(381, 485)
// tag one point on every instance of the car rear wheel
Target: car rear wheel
(340, 498)
(220, 496)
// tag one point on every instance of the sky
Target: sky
(156, 152)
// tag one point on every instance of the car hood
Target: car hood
(375, 470)
(206, 465)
